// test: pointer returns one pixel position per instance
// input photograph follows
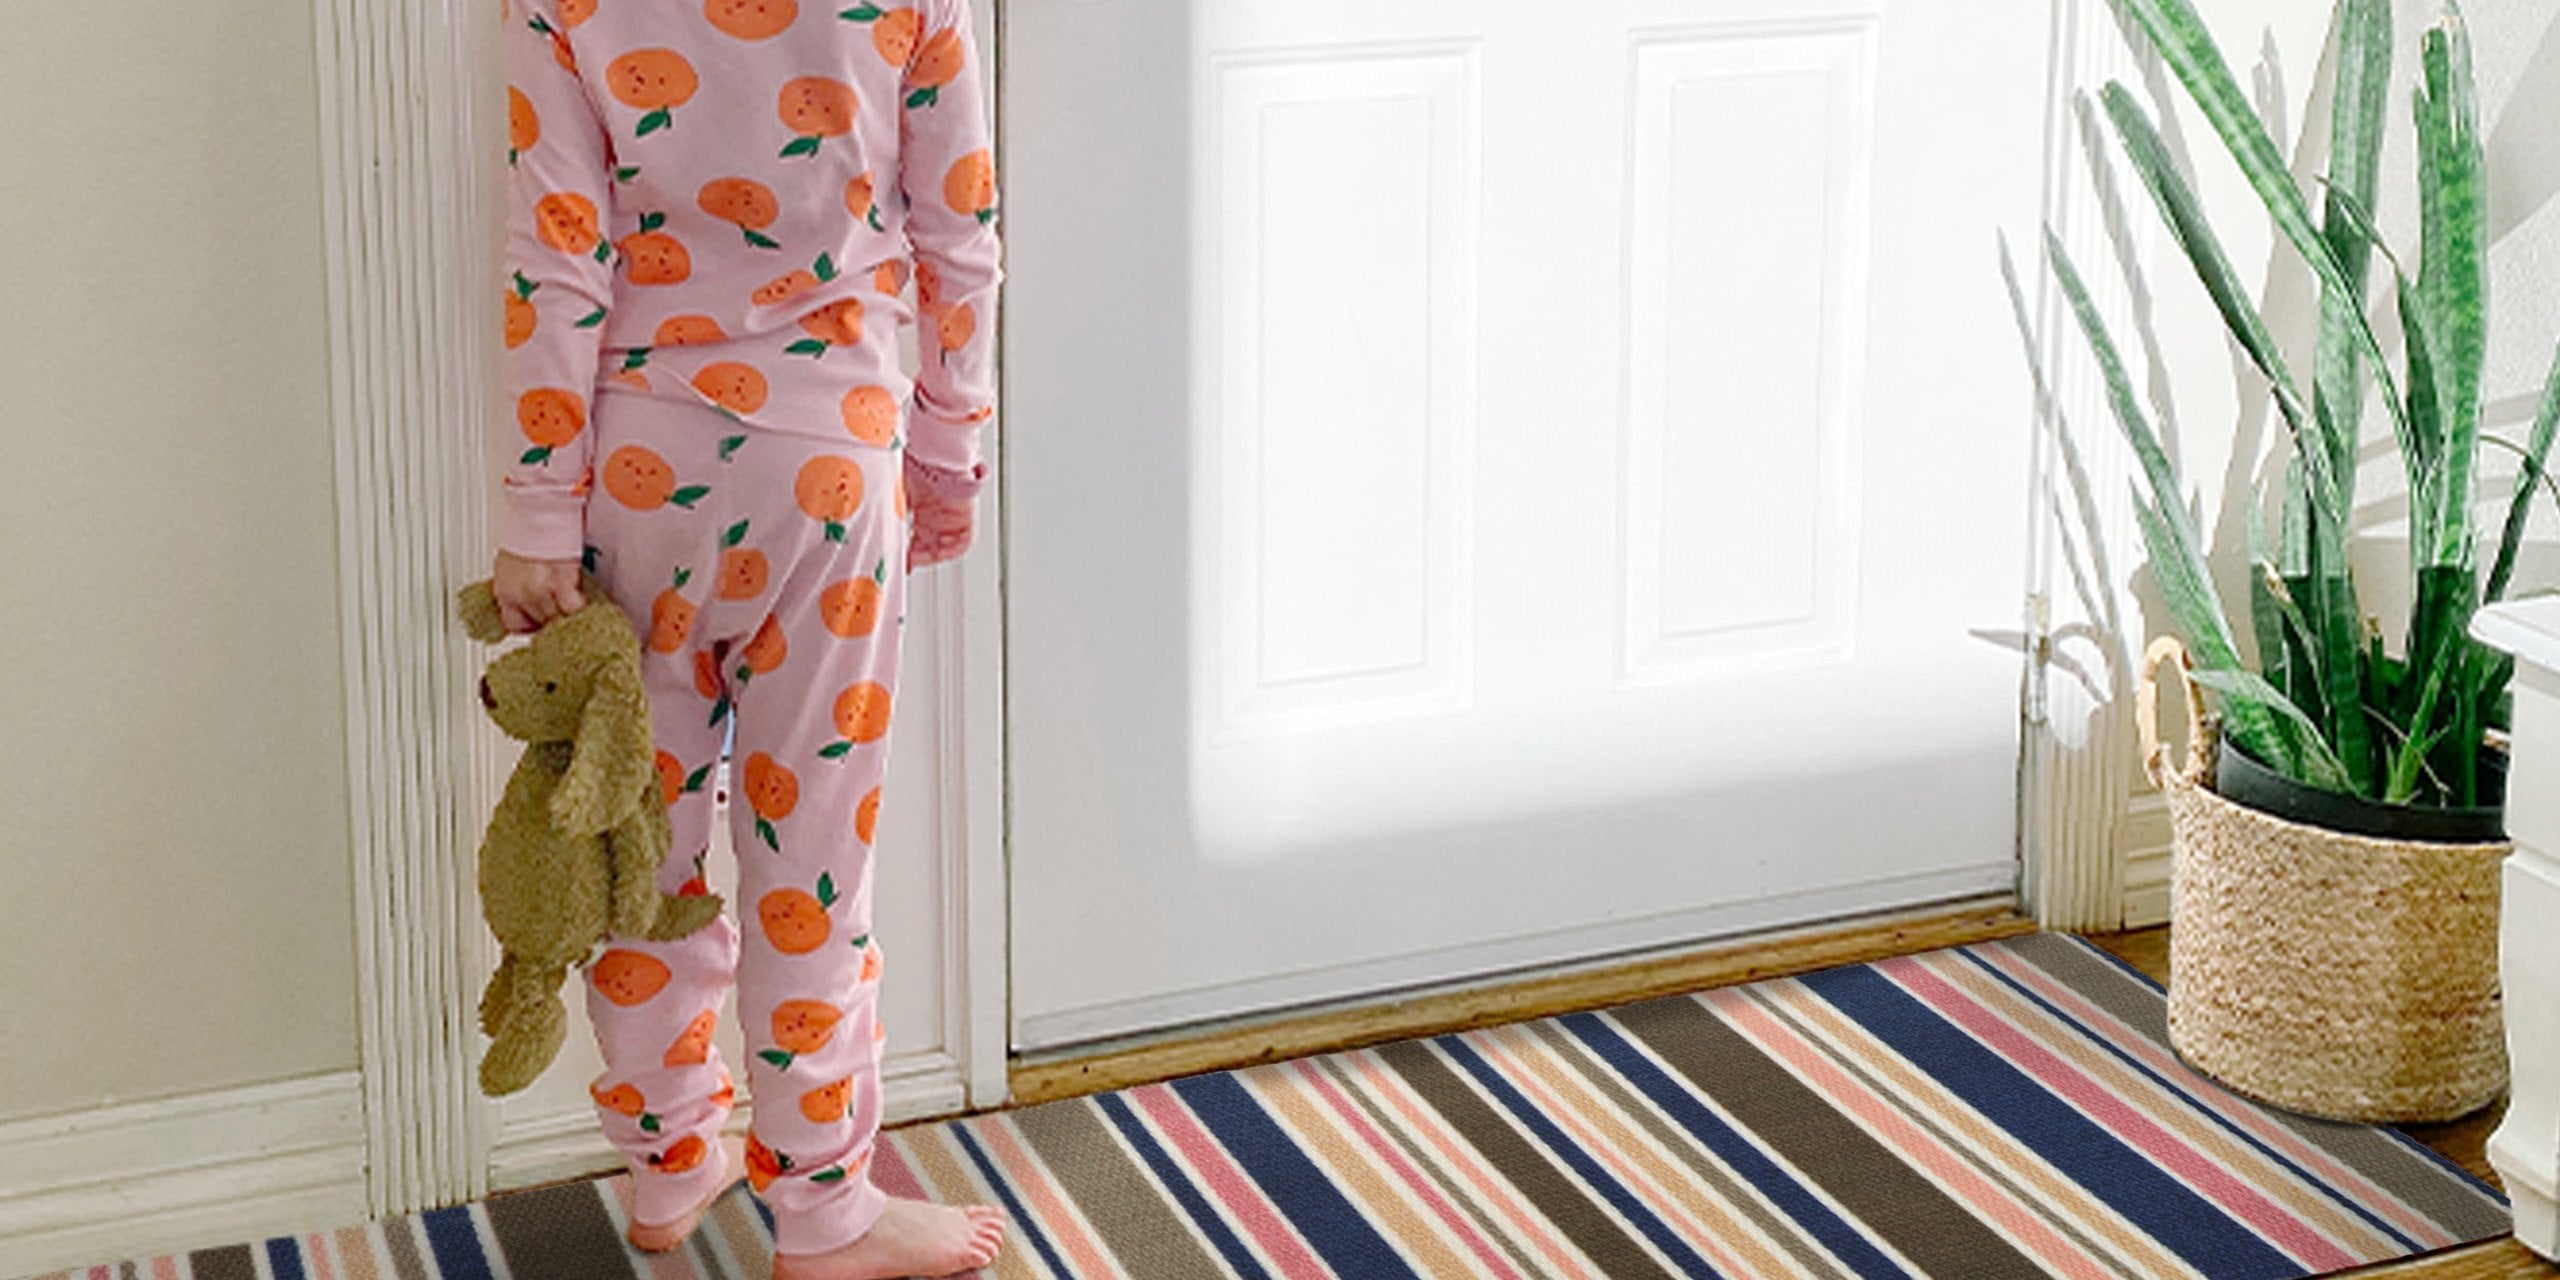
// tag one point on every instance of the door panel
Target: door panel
(1524, 495)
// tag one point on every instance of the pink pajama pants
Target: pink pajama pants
(764, 572)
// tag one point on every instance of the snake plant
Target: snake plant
(2327, 703)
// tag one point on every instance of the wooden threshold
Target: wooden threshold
(1439, 1011)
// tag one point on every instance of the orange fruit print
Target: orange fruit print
(894, 34)
(958, 324)
(866, 816)
(805, 1026)
(573, 12)
(521, 319)
(670, 621)
(566, 221)
(767, 650)
(763, 1165)
(747, 203)
(692, 1048)
(629, 978)
(686, 331)
(773, 791)
(829, 489)
(785, 287)
(743, 572)
(706, 674)
(794, 921)
(838, 323)
(826, 1104)
(970, 186)
(862, 712)
(815, 108)
(739, 388)
(524, 124)
(751, 19)
(860, 201)
(657, 258)
(870, 965)
(622, 1098)
(654, 81)
(549, 417)
(851, 609)
(638, 478)
(670, 778)
(871, 414)
(937, 65)
(684, 1155)
(890, 277)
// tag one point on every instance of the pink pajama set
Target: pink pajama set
(715, 210)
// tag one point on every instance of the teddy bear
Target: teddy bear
(573, 849)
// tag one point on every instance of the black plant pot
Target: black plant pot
(2242, 779)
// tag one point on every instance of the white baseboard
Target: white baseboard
(230, 1166)
(2144, 837)
(558, 1146)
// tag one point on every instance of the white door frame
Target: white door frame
(409, 129)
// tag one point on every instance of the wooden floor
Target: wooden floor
(2462, 1141)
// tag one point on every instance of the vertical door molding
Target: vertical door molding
(400, 126)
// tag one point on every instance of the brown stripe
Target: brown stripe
(1553, 1192)
(1863, 1176)
(400, 1235)
(1928, 1103)
(1415, 1155)
(2426, 1186)
(559, 1231)
(1718, 1180)
(734, 1216)
(1386, 1206)
(231, 1262)
(1138, 1224)
(954, 1181)
(356, 1254)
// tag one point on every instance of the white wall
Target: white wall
(173, 813)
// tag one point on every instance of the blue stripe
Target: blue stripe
(1186, 1193)
(2186, 1223)
(284, 1258)
(1004, 1191)
(1783, 1191)
(2231, 1126)
(763, 1211)
(1537, 1123)
(456, 1244)
(1332, 1224)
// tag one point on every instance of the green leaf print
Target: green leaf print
(591, 319)
(648, 1122)
(652, 220)
(720, 710)
(689, 495)
(827, 1175)
(759, 240)
(862, 13)
(535, 457)
(824, 268)
(746, 675)
(807, 146)
(826, 889)
(806, 347)
(683, 576)
(834, 750)
(923, 98)
(764, 832)
(880, 572)
(780, 1060)
(693, 782)
(637, 357)
(730, 446)
(861, 942)
(835, 531)
(604, 251)
(873, 217)
(654, 121)
(626, 173)
(987, 214)
(734, 534)
(525, 288)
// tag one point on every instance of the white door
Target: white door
(1491, 482)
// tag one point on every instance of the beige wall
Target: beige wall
(173, 812)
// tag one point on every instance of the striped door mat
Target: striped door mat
(2004, 1110)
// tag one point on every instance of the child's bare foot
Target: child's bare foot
(912, 1238)
(668, 1235)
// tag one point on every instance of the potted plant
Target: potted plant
(2338, 820)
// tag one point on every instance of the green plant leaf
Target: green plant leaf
(2529, 476)
(2248, 691)
(2453, 272)
(2358, 99)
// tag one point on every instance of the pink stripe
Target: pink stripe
(1489, 1186)
(1358, 1123)
(2204, 1093)
(315, 1256)
(891, 1173)
(164, 1267)
(1889, 1126)
(1049, 1202)
(1227, 1184)
(2127, 1124)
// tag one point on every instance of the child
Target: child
(712, 214)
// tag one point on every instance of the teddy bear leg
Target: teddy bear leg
(531, 1024)
(636, 854)
(679, 916)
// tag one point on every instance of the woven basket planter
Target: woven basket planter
(2343, 976)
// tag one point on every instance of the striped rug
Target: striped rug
(2004, 1110)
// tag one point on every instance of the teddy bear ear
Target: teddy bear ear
(477, 606)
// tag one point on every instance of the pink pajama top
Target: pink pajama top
(722, 202)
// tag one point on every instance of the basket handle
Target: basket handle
(2146, 714)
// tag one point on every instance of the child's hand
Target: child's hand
(943, 506)
(531, 593)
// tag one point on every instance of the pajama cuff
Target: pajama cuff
(544, 526)
(927, 482)
(948, 443)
